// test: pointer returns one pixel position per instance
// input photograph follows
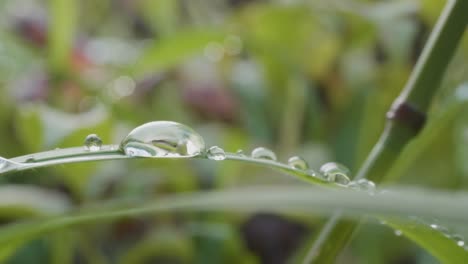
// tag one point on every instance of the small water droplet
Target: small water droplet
(335, 172)
(216, 153)
(398, 232)
(298, 163)
(341, 179)
(93, 142)
(30, 159)
(263, 153)
(312, 173)
(353, 185)
(366, 185)
(163, 139)
(362, 185)
(434, 226)
(240, 153)
(460, 240)
(444, 230)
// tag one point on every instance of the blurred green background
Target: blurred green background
(309, 78)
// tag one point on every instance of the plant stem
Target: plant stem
(60, 156)
(405, 119)
(112, 152)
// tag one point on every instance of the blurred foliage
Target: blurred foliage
(309, 78)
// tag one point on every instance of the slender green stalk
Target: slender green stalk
(405, 119)
(293, 114)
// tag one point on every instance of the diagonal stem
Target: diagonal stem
(405, 119)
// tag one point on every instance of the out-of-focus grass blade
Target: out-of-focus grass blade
(174, 49)
(444, 248)
(401, 204)
(25, 201)
(61, 32)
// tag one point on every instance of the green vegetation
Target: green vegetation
(309, 78)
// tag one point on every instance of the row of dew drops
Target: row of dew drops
(332, 172)
(436, 226)
(162, 139)
(171, 139)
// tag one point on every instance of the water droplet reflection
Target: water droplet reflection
(263, 153)
(163, 139)
(298, 163)
(335, 172)
(216, 153)
(240, 153)
(93, 142)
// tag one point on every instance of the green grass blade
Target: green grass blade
(417, 95)
(386, 206)
(172, 50)
(444, 248)
(18, 201)
(64, 14)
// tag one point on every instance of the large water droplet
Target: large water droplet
(398, 232)
(216, 153)
(163, 139)
(298, 163)
(93, 142)
(263, 153)
(335, 172)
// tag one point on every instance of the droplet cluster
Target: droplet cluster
(434, 224)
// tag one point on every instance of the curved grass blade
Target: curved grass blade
(394, 207)
(110, 152)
